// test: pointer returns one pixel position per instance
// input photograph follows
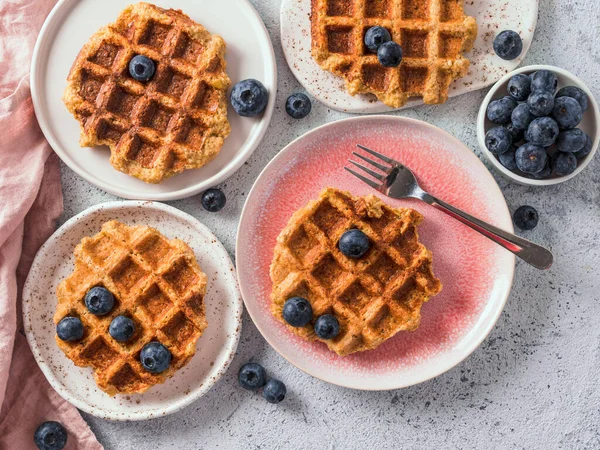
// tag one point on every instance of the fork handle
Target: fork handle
(529, 252)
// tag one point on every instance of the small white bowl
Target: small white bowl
(589, 124)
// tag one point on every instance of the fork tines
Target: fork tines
(386, 169)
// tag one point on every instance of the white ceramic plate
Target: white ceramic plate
(486, 68)
(589, 123)
(476, 273)
(70, 25)
(215, 348)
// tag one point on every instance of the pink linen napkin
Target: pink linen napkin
(30, 203)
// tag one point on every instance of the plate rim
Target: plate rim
(491, 323)
(52, 24)
(378, 107)
(170, 407)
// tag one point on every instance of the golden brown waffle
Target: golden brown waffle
(372, 297)
(156, 282)
(433, 35)
(174, 122)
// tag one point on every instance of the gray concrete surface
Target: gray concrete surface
(533, 384)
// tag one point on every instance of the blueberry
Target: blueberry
(531, 158)
(249, 98)
(521, 117)
(252, 376)
(274, 391)
(375, 36)
(155, 357)
(587, 148)
(354, 243)
(298, 105)
(508, 45)
(297, 311)
(576, 93)
(540, 103)
(544, 81)
(519, 87)
(121, 328)
(544, 173)
(543, 131)
(99, 301)
(526, 217)
(327, 326)
(564, 163)
(142, 68)
(389, 54)
(499, 111)
(515, 134)
(567, 112)
(571, 141)
(508, 160)
(213, 200)
(70, 329)
(50, 436)
(498, 140)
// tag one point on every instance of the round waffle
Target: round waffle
(156, 282)
(373, 297)
(433, 35)
(174, 122)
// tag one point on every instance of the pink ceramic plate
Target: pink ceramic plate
(476, 274)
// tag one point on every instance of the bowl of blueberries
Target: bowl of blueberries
(538, 125)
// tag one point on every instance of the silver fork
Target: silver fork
(397, 181)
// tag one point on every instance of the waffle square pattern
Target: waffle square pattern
(156, 282)
(174, 122)
(433, 35)
(373, 297)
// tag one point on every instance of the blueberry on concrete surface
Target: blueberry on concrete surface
(50, 435)
(541, 103)
(297, 311)
(389, 54)
(252, 376)
(531, 158)
(327, 326)
(298, 105)
(375, 37)
(274, 391)
(508, 45)
(519, 87)
(141, 68)
(521, 117)
(354, 243)
(99, 301)
(121, 328)
(567, 112)
(575, 93)
(543, 131)
(155, 357)
(526, 217)
(564, 163)
(70, 329)
(571, 141)
(249, 98)
(499, 111)
(544, 81)
(498, 140)
(213, 200)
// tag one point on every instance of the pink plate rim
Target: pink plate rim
(448, 364)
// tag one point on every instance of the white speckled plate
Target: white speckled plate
(70, 25)
(215, 348)
(486, 68)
